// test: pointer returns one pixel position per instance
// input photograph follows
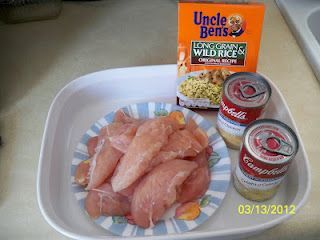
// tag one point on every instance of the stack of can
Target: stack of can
(267, 146)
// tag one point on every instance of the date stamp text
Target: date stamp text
(264, 209)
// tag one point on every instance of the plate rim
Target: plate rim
(163, 105)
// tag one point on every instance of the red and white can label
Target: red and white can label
(233, 119)
(255, 174)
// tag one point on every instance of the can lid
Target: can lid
(246, 89)
(271, 141)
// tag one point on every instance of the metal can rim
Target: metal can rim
(251, 74)
(274, 121)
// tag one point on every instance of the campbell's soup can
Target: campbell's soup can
(265, 156)
(244, 98)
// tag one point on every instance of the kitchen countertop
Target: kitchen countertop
(37, 59)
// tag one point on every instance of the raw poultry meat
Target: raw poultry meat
(121, 116)
(198, 181)
(128, 192)
(157, 191)
(138, 168)
(122, 130)
(104, 201)
(150, 137)
(121, 136)
(103, 163)
(91, 145)
(202, 158)
(191, 125)
(195, 186)
(113, 141)
(181, 144)
(197, 132)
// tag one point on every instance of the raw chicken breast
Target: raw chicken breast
(103, 163)
(195, 186)
(121, 132)
(181, 144)
(198, 133)
(113, 141)
(116, 127)
(150, 137)
(91, 145)
(128, 192)
(191, 125)
(198, 182)
(202, 158)
(104, 201)
(157, 191)
(122, 117)
(201, 136)
(184, 143)
(122, 139)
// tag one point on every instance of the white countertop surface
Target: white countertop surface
(37, 59)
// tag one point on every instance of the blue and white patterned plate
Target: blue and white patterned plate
(219, 163)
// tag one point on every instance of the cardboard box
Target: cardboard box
(214, 41)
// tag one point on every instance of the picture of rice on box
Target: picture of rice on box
(214, 41)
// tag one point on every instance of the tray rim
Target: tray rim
(191, 235)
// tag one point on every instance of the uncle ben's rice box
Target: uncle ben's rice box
(214, 41)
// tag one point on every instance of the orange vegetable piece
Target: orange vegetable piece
(82, 171)
(188, 211)
(177, 115)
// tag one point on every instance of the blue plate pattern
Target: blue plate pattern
(219, 163)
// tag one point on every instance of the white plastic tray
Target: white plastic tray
(90, 97)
